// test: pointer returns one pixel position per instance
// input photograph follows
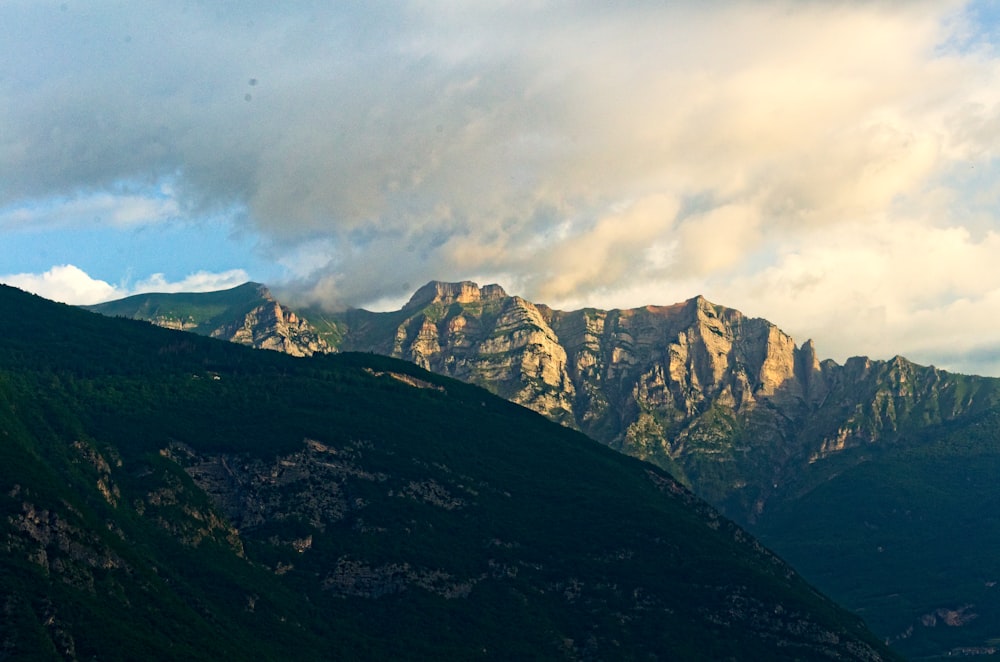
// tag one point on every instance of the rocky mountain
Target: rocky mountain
(247, 314)
(864, 475)
(874, 478)
(168, 496)
(729, 404)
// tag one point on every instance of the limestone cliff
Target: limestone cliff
(479, 335)
(271, 325)
(728, 403)
(247, 314)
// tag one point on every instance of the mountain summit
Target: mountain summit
(872, 477)
(437, 292)
(164, 495)
(247, 314)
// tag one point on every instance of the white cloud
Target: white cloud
(880, 289)
(201, 281)
(717, 239)
(830, 165)
(122, 210)
(65, 283)
(69, 284)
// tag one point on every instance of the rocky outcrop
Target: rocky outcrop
(437, 292)
(273, 326)
(728, 403)
(484, 336)
(247, 314)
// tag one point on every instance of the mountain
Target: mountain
(906, 536)
(247, 314)
(171, 496)
(873, 478)
(876, 479)
(728, 404)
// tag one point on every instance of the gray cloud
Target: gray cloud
(567, 148)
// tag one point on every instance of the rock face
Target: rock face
(729, 404)
(271, 325)
(483, 336)
(210, 503)
(247, 314)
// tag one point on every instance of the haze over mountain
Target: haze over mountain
(170, 496)
(821, 459)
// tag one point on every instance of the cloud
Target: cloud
(880, 289)
(788, 158)
(69, 284)
(201, 281)
(65, 283)
(717, 239)
(118, 209)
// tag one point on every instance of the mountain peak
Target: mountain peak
(465, 291)
(699, 302)
(251, 287)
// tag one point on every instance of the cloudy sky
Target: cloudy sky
(831, 166)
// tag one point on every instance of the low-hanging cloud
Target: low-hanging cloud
(568, 149)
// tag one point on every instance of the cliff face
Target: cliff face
(729, 404)
(271, 325)
(484, 336)
(247, 314)
(351, 508)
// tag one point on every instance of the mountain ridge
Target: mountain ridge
(165, 493)
(247, 314)
(656, 382)
(758, 426)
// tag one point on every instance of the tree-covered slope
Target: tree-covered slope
(201, 312)
(170, 496)
(908, 536)
(247, 314)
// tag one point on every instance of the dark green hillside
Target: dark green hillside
(908, 537)
(173, 497)
(200, 312)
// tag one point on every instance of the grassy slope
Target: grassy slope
(205, 310)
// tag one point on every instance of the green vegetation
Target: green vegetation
(170, 496)
(197, 312)
(853, 472)
(907, 536)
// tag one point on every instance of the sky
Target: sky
(831, 166)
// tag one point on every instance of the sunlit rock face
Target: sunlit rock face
(247, 314)
(271, 325)
(484, 336)
(728, 403)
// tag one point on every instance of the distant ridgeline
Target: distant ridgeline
(167, 496)
(863, 475)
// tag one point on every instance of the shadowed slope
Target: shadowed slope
(164, 492)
